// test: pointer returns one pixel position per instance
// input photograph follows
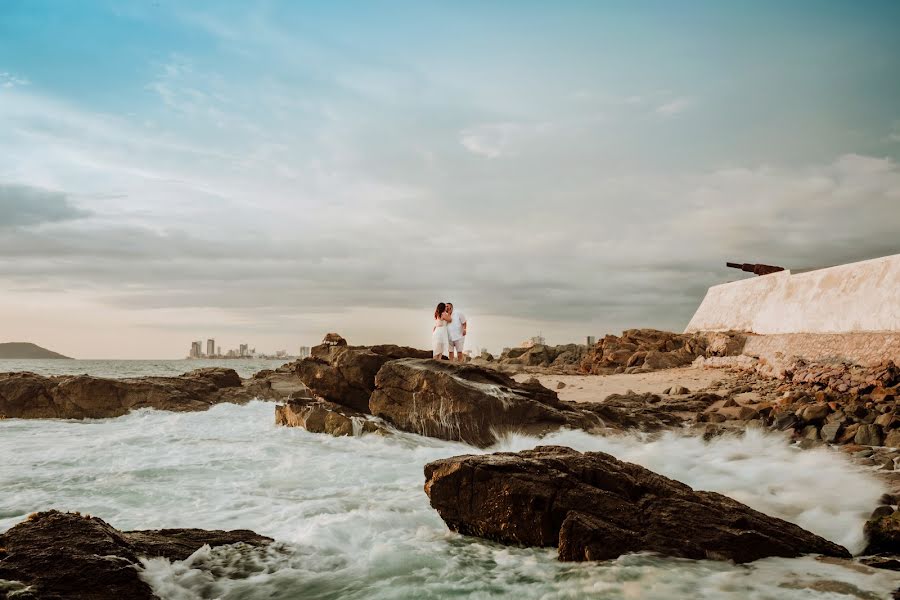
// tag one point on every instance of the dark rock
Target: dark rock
(472, 404)
(882, 561)
(30, 396)
(321, 416)
(67, 555)
(346, 374)
(883, 533)
(595, 507)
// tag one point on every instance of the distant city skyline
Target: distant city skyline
(272, 171)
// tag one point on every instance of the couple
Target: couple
(449, 333)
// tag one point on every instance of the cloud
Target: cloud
(494, 140)
(674, 107)
(22, 205)
(9, 80)
(894, 135)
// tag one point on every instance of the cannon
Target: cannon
(754, 268)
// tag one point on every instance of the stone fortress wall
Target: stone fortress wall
(848, 312)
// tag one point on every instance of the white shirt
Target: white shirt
(457, 320)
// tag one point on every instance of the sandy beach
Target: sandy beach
(594, 388)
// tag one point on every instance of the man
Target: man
(457, 330)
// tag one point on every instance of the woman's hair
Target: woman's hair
(441, 307)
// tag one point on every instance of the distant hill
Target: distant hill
(26, 350)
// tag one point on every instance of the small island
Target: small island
(26, 350)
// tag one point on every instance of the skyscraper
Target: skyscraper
(210, 347)
(591, 340)
(196, 349)
(304, 352)
(242, 350)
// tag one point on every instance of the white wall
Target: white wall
(856, 297)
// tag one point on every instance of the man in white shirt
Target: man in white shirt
(457, 330)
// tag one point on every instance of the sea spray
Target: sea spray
(353, 522)
(760, 469)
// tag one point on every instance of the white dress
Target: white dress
(440, 339)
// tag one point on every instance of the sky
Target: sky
(266, 172)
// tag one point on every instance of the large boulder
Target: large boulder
(346, 374)
(30, 396)
(594, 507)
(453, 401)
(55, 556)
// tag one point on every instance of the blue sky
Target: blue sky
(266, 171)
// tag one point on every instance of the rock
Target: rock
(346, 374)
(830, 431)
(849, 433)
(810, 432)
(881, 511)
(333, 339)
(321, 416)
(813, 412)
(560, 385)
(868, 435)
(67, 555)
(29, 396)
(650, 349)
(883, 533)
(594, 507)
(892, 440)
(472, 404)
(738, 413)
(677, 390)
(883, 561)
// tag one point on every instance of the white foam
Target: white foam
(353, 520)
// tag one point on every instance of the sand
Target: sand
(594, 388)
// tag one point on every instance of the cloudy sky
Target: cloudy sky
(269, 171)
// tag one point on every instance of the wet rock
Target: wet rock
(594, 507)
(29, 396)
(346, 374)
(321, 416)
(471, 404)
(67, 555)
(883, 533)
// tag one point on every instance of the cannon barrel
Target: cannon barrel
(756, 269)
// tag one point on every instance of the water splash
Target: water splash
(353, 522)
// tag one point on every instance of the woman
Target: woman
(440, 338)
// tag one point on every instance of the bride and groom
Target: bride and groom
(449, 333)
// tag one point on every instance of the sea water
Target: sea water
(245, 367)
(352, 521)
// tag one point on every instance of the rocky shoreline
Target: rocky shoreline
(589, 505)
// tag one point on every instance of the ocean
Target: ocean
(352, 521)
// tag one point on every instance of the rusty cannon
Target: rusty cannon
(754, 268)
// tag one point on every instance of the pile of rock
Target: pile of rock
(55, 556)
(561, 359)
(595, 507)
(640, 350)
(833, 403)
